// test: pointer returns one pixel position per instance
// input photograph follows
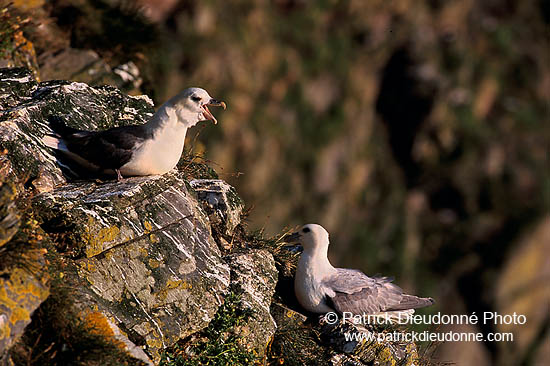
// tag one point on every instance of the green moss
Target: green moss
(217, 344)
(24, 250)
(14, 47)
(234, 199)
(296, 344)
(25, 169)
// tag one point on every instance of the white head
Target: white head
(192, 106)
(311, 236)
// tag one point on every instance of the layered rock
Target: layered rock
(254, 276)
(220, 201)
(27, 105)
(144, 259)
(150, 259)
(23, 281)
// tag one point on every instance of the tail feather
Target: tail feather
(57, 124)
(396, 316)
(59, 145)
(63, 135)
(412, 302)
(54, 143)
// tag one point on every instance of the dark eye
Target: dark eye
(306, 230)
(196, 99)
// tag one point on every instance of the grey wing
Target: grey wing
(348, 281)
(109, 149)
(353, 291)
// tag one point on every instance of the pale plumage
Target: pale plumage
(321, 288)
(152, 148)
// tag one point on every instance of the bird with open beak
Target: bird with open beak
(152, 148)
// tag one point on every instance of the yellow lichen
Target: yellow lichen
(170, 285)
(23, 283)
(88, 266)
(19, 295)
(147, 225)
(19, 314)
(154, 343)
(412, 354)
(143, 251)
(96, 240)
(5, 300)
(99, 325)
(385, 355)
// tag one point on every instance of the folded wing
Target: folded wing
(352, 291)
(109, 149)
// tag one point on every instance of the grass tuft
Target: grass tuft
(217, 345)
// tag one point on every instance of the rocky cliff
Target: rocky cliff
(148, 270)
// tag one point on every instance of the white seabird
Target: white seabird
(321, 288)
(151, 148)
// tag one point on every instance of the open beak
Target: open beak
(207, 114)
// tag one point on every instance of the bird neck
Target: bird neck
(170, 118)
(317, 258)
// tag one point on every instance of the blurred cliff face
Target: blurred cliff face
(349, 107)
(416, 132)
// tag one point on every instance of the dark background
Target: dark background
(416, 132)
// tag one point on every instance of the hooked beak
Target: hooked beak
(292, 238)
(207, 114)
(293, 241)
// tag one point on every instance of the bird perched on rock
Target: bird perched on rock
(321, 288)
(151, 148)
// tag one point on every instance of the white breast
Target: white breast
(159, 155)
(309, 291)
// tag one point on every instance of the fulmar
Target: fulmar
(321, 288)
(148, 149)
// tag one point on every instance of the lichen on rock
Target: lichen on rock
(220, 201)
(23, 281)
(254, 277)
(148, 259)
